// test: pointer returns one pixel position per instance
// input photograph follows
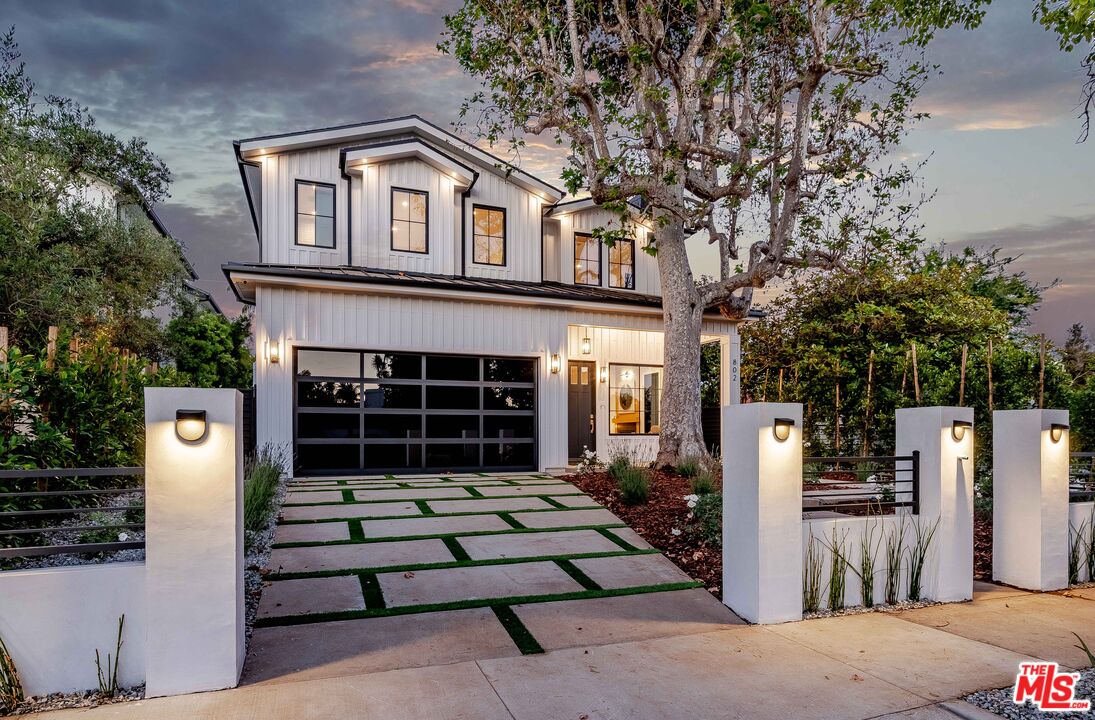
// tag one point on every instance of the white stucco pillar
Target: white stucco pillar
(194, 543)
(762, 512)
(1030, 499)
(730, 369)
(946, 495)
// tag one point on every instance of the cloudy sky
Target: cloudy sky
(191, 76)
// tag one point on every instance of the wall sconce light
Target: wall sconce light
(273, 351)
(190, 425)
(958, 429)
(587, 346)
(602, 374)
(1057, 431)
(555, 364)
(781, 428)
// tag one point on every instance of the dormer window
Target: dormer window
(315, 214)
(410, 224)
(587, 260)
(488, 235)
(621, 264)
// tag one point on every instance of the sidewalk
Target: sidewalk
(858, 666)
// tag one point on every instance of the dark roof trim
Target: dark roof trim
(240, 162)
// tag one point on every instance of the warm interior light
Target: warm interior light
(958, 429)
(554, 364)
(781, 428)
(273, 351)
(190, 425)
(1057, 431)
(602, 375)
(587, 346)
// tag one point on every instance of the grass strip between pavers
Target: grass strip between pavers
(556, 504)
(472, 490)
(518, 633)
(370, 588)
(576, 572)
(311, 521)
(512, 521)
(423, 507)
(347, 495)
(470, 604)
(390, 500)
(462, 560)
(357, 533)
(442, 536)
(603, 530)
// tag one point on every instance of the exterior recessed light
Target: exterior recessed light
(190, 425)
(959, 428)
(1057, 431)
(781, 428)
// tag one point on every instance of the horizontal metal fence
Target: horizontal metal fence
(873, 485)
(1081, 477)
(50, 511)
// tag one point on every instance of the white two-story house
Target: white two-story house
(421, 306)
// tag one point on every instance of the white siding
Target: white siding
(523, 217)
(279, 176)
(647, 278)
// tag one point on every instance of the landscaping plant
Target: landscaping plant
(262, 473)
(895, 549)
(918, 556)
(1089, 546)
(838, 570)
(108, 679)
(868, 550)
(689, 467)
(811, 576)
(1075, 550)
(708, 517)
(634, 485)
(11, 690)
(1086, 650)
(703, 483)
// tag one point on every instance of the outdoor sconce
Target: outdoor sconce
(587, 346)
(958, 429)
(273, 352)
(602, 374)
(190, 425)
(555, 364)
(781, 428)
(1057, 431)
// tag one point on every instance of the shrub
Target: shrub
(263, 472)
(838, 570)
(811, 576)
(689, 467)
(634, 485)
(703, 483)
(11, 690)
(918, 556)
(708, 518)
(895, 549)
(618, 465)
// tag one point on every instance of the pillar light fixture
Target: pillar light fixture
(191, 426)
(555, 364)
(273, 351)
(1057, 431)
(587, 346)
(959, 428)
(602, 374)
(781, 428)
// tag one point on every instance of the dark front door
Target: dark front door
(582, 421)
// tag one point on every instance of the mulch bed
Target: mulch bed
(982, 546)
(656, 519)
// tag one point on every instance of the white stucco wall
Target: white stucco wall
(852, 531)
(1081, 515)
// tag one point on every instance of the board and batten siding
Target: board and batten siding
(647, 277)
(524, 212)
(340, 320)
(279, 175)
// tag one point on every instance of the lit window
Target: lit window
(587, 260)
(489, 235)
(315, 214)
(635, 397)
(410, 228)
(621, 264)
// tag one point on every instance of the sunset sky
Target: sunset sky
(192, 76)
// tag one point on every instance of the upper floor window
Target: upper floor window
(315, 214)
(410, 225)
(621, 264)
(488, 235)
(587, 260)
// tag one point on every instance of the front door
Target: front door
(582, 420)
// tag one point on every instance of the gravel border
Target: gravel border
(113, 513)
(255, 563)
(999, 701)
(880, 608)
(86, 699)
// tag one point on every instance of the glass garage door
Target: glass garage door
(381, 412)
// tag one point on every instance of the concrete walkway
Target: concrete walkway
(408, 599)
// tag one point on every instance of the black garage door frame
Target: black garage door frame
(444, 404)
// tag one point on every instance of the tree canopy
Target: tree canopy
(209, 349)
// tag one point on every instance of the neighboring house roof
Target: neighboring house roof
(547, 291)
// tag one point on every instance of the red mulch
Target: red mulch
(654, 521)
(982, 546)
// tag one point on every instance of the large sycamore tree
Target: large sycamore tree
(767, 126)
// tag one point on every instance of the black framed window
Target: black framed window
(488, 235)
(410, 221)
(621, 264)
(635, 399)
(587, 259)
(315, 214)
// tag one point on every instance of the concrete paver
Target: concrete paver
(631, 537)
(552, 490)
(311, 595)
(415, 493)
(567, 518)
(473, 583)
(541, 544)
(359, 555)
(433, 526)
(312, 532)
(576, 501)
(488, 505)
(313, 496)
(632, 571)
(348, 510)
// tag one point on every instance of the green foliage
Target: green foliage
(619, 463)
(11, 689)
(262, 474)
(634, 485)
(918, 556)
(838, 569)
(703, 482)
(1073, 21)
(708, 519)
(895, 550)
(210, 349)
(688, 467)
(1085, 649)
(811, 575)
(108, 677)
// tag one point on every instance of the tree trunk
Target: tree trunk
(681, 429)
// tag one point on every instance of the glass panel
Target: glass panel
(394, 366)
(325, 232)
(635, 400)
(394, 457)
(401, 205)
(306, 230)
(452, 426)
(482, 249)
(417, 241)
(652, 398)
(325, 201)
(401, 231)
(328, 425)
(417, 209)
(506, 398)
(328, 363)
(509, 370)
(392, 396)
(587, 260)
(452, 368)
(497, 251)
(306, 198)
(327, 457)
(585, 375)
(448, 456)
(508, 426)
(393, 426)
(454, 398)
(328, 394)
(504, 454)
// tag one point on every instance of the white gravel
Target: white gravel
(86, 699)
(999, 701)
(112, 513)
(859, 609)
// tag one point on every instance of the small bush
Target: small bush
(708, 517)
(619, 465)
(634, 485)
(689, 467)
(703, 483)
(11, 690)
(262, 474)
(811, 575)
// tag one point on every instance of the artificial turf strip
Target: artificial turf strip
(442, 536)
(357, 533)
(472, 491)
(348, 496)
(470, 604)
(347, 518)
(553, 502)
(457, 550)
(424, 507)
(513, 522)
(518, 633)
(458, 563)
(370, 588)
(467, 499)
(576, 572)
(615, 538)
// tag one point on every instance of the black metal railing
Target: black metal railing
(873, 485)
(62, 511)
(1081, 477)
